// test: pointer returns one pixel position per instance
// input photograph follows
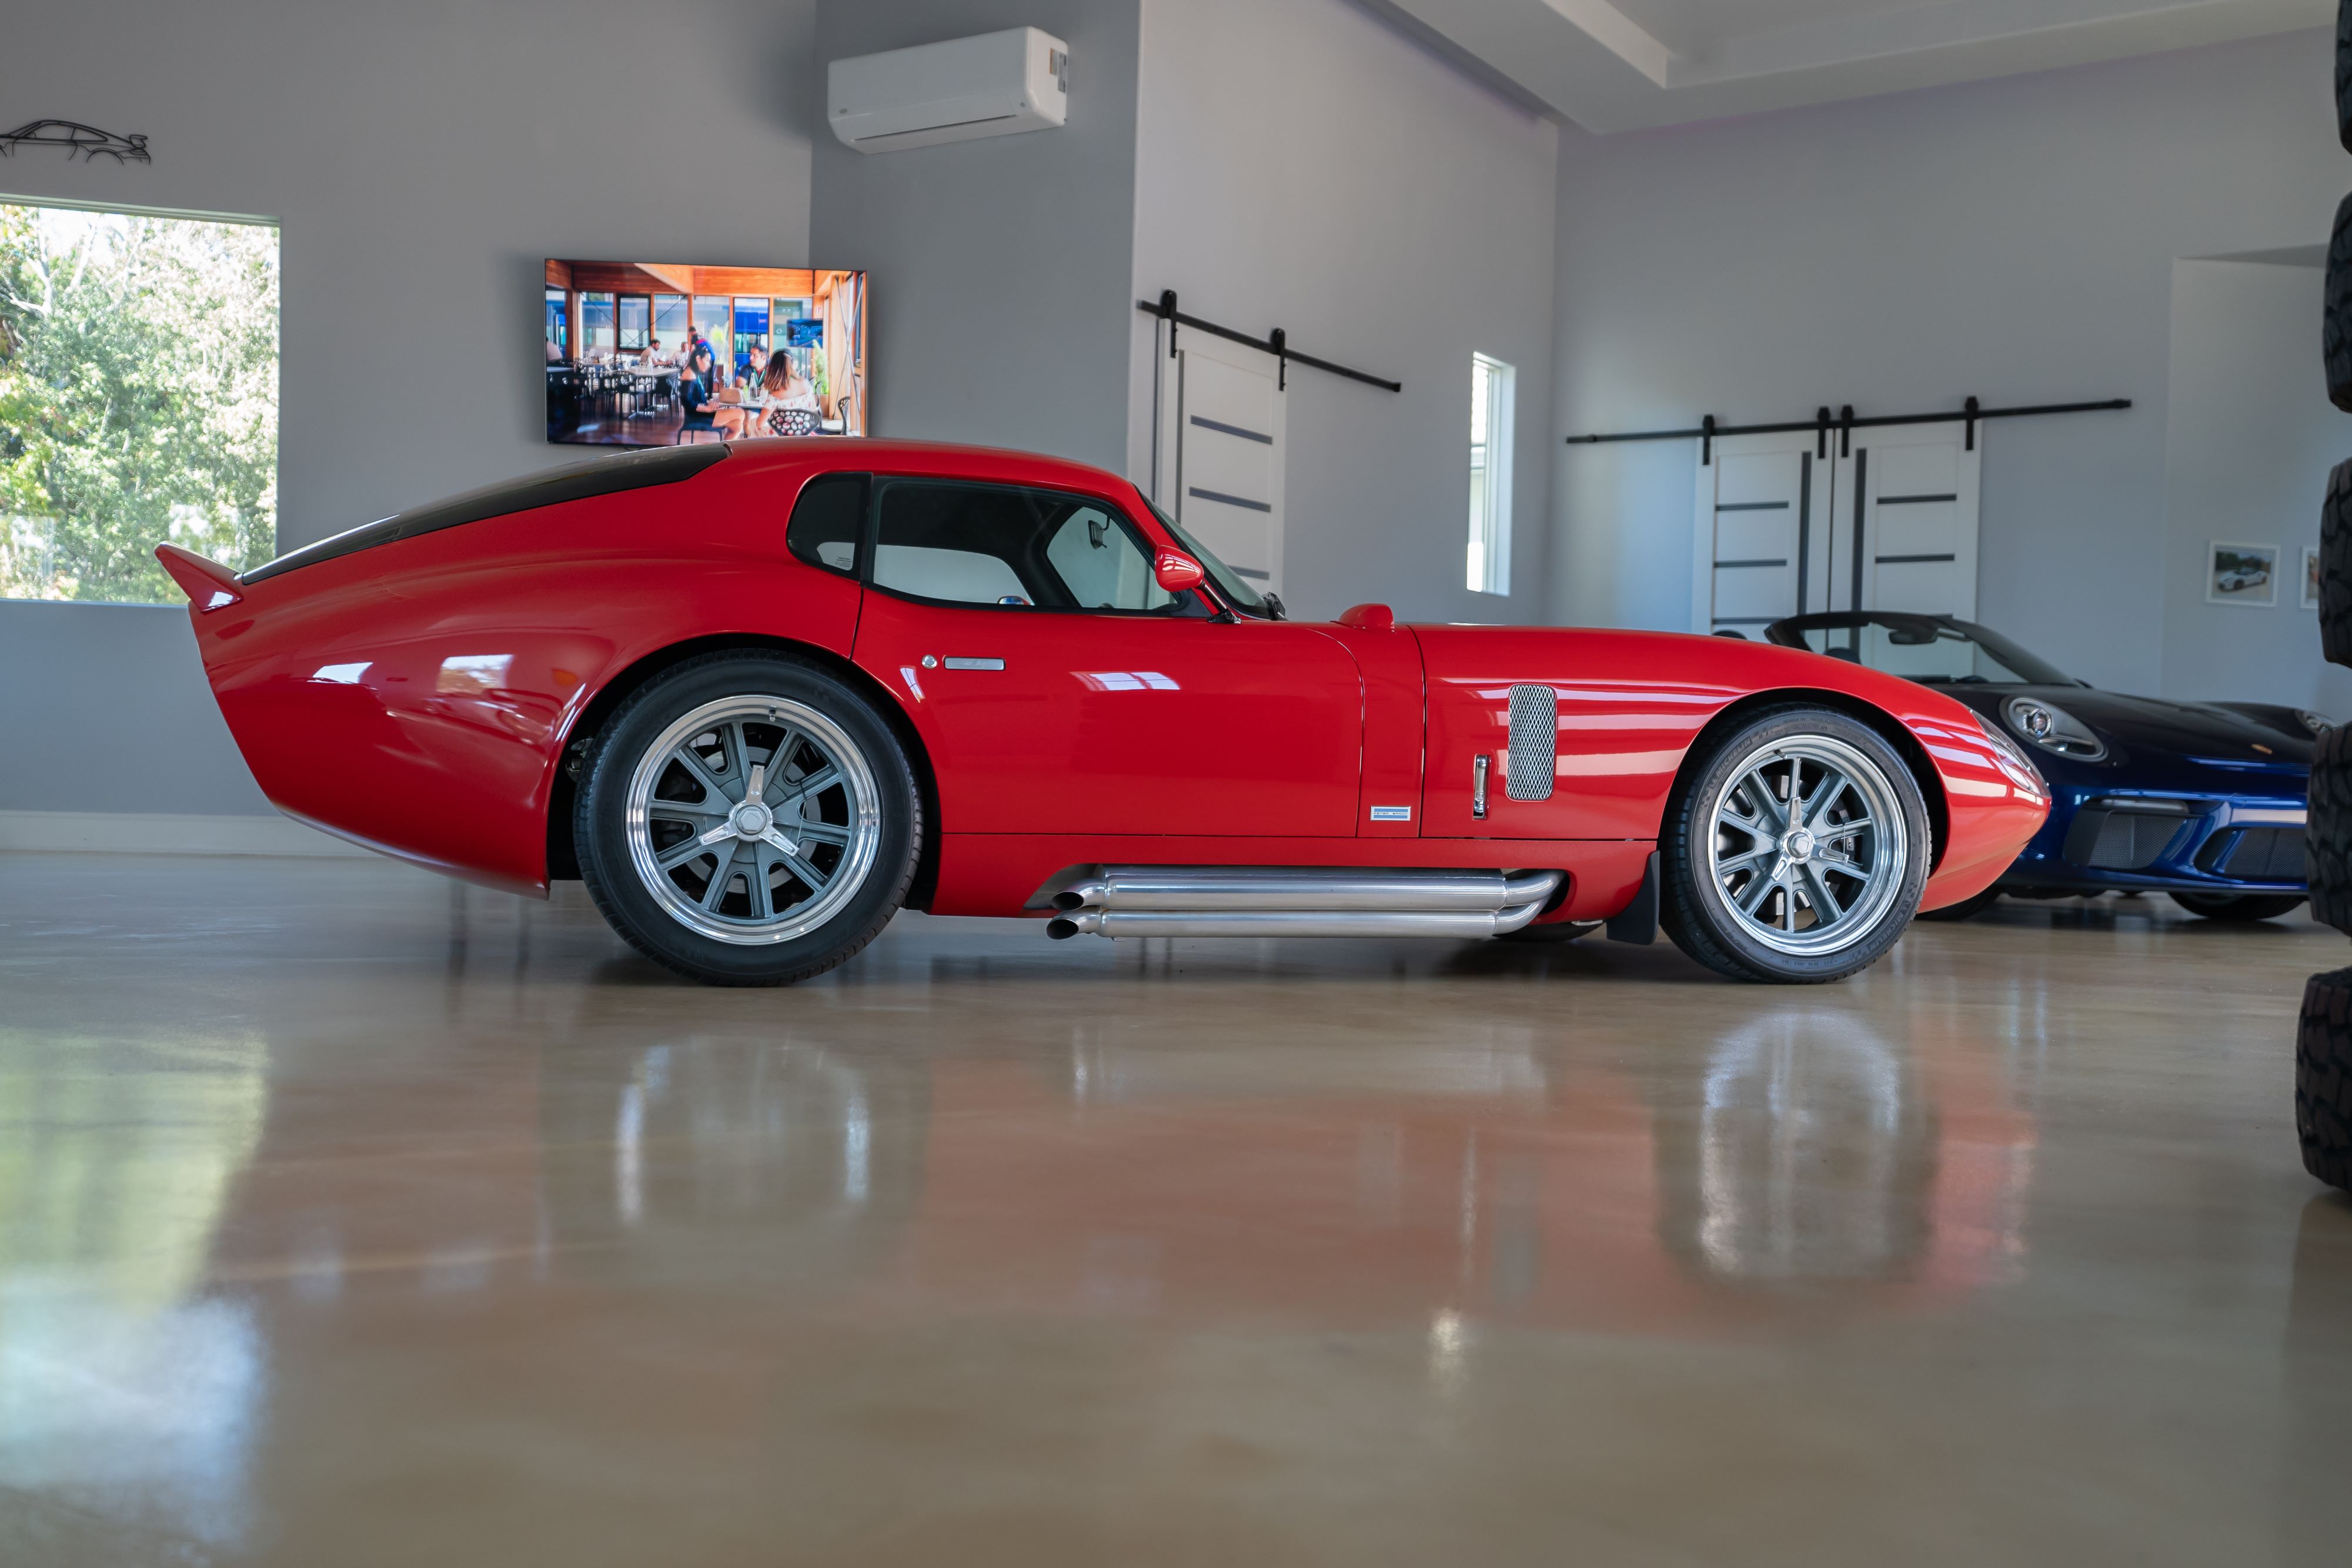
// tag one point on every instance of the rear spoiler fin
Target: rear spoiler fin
(208, 584)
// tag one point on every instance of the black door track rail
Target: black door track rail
(1277, 344)
(1845, 424)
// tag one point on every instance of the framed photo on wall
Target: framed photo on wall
(2311, 577)
(2241, 574)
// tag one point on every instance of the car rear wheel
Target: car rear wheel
(1799, 851)
(748, 819)
(2240, 906)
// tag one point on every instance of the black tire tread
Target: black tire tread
(2344, 73)
(2323, 1077)
(625, 927)
(2327, 831)
(2335, 566)
(2335, 322)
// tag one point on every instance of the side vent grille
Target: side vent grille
(1535, 743)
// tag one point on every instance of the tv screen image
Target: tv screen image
(652, 353)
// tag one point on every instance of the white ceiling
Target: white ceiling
(1620, 65)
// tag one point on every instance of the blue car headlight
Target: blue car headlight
(2052, 728)
(2314, 722)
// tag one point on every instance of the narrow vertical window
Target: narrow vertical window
(1489, 560)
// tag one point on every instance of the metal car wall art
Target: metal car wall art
(84, 141)
(759, 696)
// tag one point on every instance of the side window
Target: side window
(1101, 564)
(1000, 545)
(828, 521)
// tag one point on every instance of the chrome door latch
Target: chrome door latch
(1478, 766)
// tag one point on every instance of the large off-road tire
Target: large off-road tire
(1748, 895)
(2335, 568)
(2328, 833)
(1966, 908)
(737, 888)
(2336, 324)
(2243, 908)
(2323, 1077)
(2344, 73)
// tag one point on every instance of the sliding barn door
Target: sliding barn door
(1761, 533)
(1886, 519)
(1904, 521)
(1219, 461)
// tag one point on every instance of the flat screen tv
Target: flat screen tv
(656, 353)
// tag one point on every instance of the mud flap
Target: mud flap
(1638, 921)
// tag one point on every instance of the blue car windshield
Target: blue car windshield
(1934, 649)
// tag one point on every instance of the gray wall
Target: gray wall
(999, 267)
(422, 158)
(1303, 164)
(2011, 239)
(2253, 436)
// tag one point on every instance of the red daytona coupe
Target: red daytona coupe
(759, 696)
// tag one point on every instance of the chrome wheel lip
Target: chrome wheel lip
(858, 856)
(1887, 861)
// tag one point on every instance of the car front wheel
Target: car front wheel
(1798, 854)
(747, 819)
(2238, 907)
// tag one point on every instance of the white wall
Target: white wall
(2252, 437)
(1302, 164)
(423, 158)
(999, 267)
(2011, 239)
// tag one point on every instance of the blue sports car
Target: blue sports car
(2201, 801)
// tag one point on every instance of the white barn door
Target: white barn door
(1890, 523)
(1220, 469)
(1759, 534)
(1904, 528)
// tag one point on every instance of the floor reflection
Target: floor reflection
(125, 1393)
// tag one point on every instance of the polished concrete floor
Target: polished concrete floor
(349, 1218)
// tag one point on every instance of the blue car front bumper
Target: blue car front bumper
(2099, 837)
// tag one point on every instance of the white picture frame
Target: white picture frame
(2238, 573)
(2310, 577)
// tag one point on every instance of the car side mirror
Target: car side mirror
(1176, 571)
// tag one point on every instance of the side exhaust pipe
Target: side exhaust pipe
(1298, 901)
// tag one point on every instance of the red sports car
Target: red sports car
(759, 696)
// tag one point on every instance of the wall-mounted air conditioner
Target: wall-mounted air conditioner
(993, 85)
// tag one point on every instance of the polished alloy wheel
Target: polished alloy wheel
(1810, 849)
(753, 819)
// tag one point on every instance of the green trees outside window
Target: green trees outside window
(138, 399)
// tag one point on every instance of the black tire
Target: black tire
(2335, 568)
(847, 919)
(2323, 1077)
(2327, 835)
(2336, 324)
(1966, 908)
(2240, 908)
(2344, 73)
(1697, 911)
(1558, 932)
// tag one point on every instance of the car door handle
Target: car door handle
(955, 662)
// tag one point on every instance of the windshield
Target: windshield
(1238, 593)
(1933, 649)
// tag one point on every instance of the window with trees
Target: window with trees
(138, 399)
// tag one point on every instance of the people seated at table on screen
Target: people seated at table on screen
(792, 407)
